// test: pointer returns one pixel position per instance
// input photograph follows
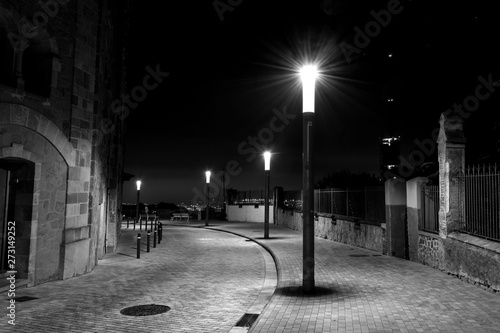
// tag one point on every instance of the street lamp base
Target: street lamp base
(308, 286)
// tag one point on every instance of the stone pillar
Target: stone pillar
(451, 156)
(395, 214)
(414, 213)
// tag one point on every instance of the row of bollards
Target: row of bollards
(157, 235)
(149, 218)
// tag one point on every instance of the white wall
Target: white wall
(248, 213)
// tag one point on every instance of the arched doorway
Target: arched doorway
(17, 177)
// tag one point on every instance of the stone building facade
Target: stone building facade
(62, 65)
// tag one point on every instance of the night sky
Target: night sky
(229, 78)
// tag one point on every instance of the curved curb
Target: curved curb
(266, 295)
(270, 281)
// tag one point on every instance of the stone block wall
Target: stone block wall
(56, 124)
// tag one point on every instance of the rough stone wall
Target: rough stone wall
(473, 259)
(289, 219)
(430, 250)
(348, 232)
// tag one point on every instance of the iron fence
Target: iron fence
(479, 195)
(430, 209)
(367, 203)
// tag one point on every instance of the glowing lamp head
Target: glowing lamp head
(308, 74)
(207, 176)
(138, 183)
(267, 161)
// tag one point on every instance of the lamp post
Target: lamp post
(138, 183)
(308, 75)
(267, 168)
(207, 176)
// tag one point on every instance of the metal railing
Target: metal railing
(252, 197)
(367, 203)
(430, 209)
(479, 199)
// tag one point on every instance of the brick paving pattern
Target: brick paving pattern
(211, 278)
(208, 278)
(362, 291)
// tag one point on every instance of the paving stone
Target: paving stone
(208, 278)
(366, 293)
(211, 278)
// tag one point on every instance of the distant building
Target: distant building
(61, 153)
(390, 151)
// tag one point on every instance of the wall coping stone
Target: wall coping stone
(476, 241)
(428, 234)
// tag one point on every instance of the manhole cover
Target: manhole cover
(145, 310)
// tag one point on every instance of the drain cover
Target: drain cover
(247, 320)
(145, 310)
(25, 298)
(358, 255)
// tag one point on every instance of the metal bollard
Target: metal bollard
(154, 238)
(160, 228)
(149, 237)
(138, 246)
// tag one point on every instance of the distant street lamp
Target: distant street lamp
(207, 175)
(138, 183)
(267, 168)
(308, 73)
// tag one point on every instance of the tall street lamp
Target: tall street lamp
(267, 168)
(138, 183)
(207, 176)
(308, 75)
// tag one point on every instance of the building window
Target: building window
(37, 68)
(7, 59)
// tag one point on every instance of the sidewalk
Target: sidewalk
(209, 279)
(362, 291)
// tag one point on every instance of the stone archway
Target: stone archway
(19, 179)
(56, 174)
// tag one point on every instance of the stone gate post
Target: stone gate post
(451, 157)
